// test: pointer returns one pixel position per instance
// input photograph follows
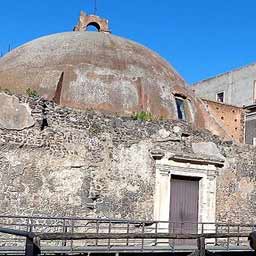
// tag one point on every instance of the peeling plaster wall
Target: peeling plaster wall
(94, 164)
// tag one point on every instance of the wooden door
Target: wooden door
(184, 205)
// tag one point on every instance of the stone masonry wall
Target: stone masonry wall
(236, 185)
(74, 163)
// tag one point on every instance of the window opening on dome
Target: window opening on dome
(93, 26)
(220, 97)
(190, 109)
(180, 104)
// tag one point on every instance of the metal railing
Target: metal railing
(60, 235)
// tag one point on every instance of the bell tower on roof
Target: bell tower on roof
(92, 20)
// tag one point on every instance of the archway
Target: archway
(93, 26)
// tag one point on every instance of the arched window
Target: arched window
(93, 26)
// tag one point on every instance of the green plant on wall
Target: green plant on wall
(31, 93)
(143, 116)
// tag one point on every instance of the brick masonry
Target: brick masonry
(231, 118)
(87, 20)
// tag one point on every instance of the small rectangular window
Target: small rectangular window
(180, 108)
(254, 91)
(220, 97)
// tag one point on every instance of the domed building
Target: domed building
(100, 71)
(71, 146)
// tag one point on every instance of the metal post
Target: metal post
(128, 231)
(216, 232)
(238, 238)
(97, 231)
(64, 229)
(72, 231)
(143, 231)
(31, 225)
(228, 239)
(201, 246)
(174, 226)
(109, 231)
(32, 246)
(95, 7)
(156, 230)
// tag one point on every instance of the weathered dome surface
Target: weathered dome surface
(92, 70)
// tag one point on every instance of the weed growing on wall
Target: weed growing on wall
(143, 116)
(31, 93)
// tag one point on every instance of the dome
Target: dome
(100, 71)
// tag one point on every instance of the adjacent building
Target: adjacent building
(237, 88)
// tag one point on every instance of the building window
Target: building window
(220, 97)
(180, 104)
(254, 92)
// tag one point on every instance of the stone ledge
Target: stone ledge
(197, 159)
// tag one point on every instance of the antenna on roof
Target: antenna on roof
(95, 7)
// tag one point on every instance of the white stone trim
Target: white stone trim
(207, 188)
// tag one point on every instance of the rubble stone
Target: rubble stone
(92, 164)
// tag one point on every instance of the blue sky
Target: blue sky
(199, 38)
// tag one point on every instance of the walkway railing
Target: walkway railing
(80, 235)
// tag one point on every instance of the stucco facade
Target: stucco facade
(238, 86)
(234, 88)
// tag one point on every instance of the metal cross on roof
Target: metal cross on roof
(95, 7)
